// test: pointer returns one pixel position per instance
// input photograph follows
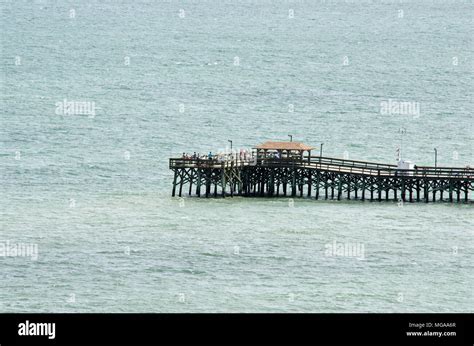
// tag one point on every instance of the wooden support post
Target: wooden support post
(208, 182)
(466, 192)
(223, 182)
(458, 191)
(363, 188)
(450, 190)
(208, 188)
(293, 183)
(417, 190)
(239, 184)
(339, 188)
(426, 187)
(230, 181)
(379, 186)
(317, 185)
(310, 182)
(191, 174)
(411, 190)
(198, 186)
(404, 192)
(173, 193)
(272, 182)
(348, 187)
(181, 182)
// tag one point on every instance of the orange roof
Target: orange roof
(283, 146)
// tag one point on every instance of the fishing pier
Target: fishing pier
(275, 169)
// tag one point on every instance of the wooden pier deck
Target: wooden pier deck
(321, 177)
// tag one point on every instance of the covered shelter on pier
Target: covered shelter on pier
(282, 150)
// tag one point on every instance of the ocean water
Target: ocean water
(93, 193)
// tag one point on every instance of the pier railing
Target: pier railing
(211, 163)
(326, 164)
(367, 168)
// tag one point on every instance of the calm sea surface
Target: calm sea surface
(92, 193)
